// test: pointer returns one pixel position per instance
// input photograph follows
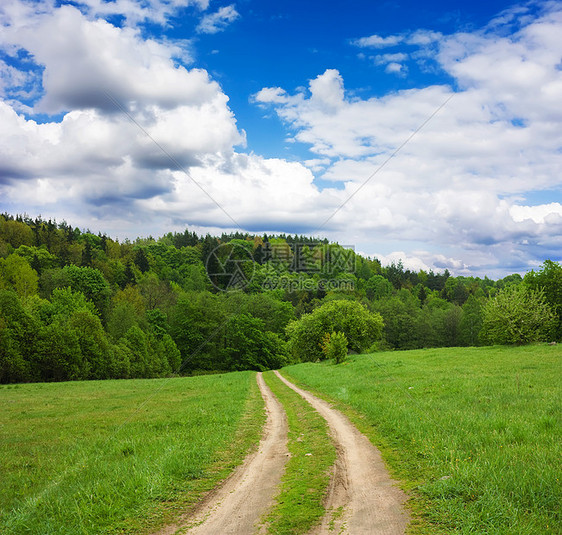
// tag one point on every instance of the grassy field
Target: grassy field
(298, 506)
(119, 456)
(474, 433)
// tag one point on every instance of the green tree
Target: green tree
(59, 354)
(51, 279)
(38, 257)
(18, 340)
(156, 293)
(275, 313)
(197, 327)
(141, 260)
(360, 327)
(378, 287)
(93, 342)
(517, 315)
(402, 317)
(135, 340)
(471, 322)
(16, 273)
(549, 280)
(451, 326)
(92, 284)
(64, 302)
(158, 322)
(121, 318)
(15, 233)
(172, 353)
(249, 347)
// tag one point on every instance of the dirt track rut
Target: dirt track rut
(362, 498)
(361, 486)
(236, 507)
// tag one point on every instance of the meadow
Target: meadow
(119, 456)
(474, 434)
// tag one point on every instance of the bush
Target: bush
(334, 346)
(517, 315)
(360, 327)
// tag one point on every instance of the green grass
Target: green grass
(119, 456)
(307, 473)
(475, 434)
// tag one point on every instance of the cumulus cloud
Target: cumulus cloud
(90, 63)
(142, 139)
(395, 68)
(141, 142)
(542, 213)
(498, 138)
(377, 41)
(218, 21)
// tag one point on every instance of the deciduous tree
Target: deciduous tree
(518, 315)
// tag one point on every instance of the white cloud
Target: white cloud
(499, 137)
(384, 59)
(156, 11)
(122, 170)
(92, 62)
(270, 95)
(11, 78)
(418, 37)
(541, 213)
(393, 63)
(377, 41)
(395, 68)
(409, 261)
(454, 196)
(218, 21)
(423, 37)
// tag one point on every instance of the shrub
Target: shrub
(517, 315)
(334, 346)
(360, 327)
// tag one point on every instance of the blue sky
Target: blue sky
(288, 43)
(137, 118)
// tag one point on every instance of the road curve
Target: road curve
(360, 486)
(235, 508)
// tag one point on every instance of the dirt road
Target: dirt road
(236, 507)
(370, 500)
(362, 498)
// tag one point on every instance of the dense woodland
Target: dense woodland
(80, 305)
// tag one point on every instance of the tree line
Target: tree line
(79, 305)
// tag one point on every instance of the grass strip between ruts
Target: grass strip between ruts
(299, 505)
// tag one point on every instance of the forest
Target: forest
(77, 305)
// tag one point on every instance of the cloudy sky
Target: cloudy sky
(430, 132)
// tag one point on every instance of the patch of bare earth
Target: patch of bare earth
(362, 498)
(235, 508)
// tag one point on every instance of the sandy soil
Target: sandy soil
(362, 495)
(235, 508)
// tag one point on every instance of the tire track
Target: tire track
(362, 498)
(236, 507)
